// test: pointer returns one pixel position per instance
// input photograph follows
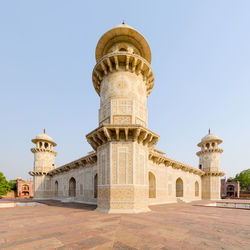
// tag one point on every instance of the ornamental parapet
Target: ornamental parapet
(218, 150)
(158, 157)
(87, 160)
(123, 61)
(214, 174)
(35, 150)
(107, 133)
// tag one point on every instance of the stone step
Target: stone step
(182, 200)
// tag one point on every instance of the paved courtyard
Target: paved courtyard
(78, 226)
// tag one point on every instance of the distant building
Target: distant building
(230, 188)
(24, 188)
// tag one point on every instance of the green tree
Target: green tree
(4, 185)
(12, 184)
(244, 179)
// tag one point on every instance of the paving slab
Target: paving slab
(78, 226)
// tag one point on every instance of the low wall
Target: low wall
(245, 194)
(10, 195)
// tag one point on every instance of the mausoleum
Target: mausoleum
(125, 172)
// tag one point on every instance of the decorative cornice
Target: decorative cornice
(87, 160)
(214, 174)
(37, 173)
(204, 151)
(125, 61)
(159, 158)
(35, 150)
(107, 133)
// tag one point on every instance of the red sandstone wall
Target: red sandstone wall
(10, 195)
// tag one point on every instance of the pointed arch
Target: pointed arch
(72, 187)
(152, 185)
(196, 188)
(179, 187)
(56, 188)
(95, 186)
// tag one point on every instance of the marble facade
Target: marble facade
(125, 173)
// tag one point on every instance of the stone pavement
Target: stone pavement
(78, 226)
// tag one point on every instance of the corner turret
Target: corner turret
(209, 162)
(44, 161)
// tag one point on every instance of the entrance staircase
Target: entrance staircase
(68, 199)
(182, 200)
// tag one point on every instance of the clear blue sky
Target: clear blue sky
(200, 58)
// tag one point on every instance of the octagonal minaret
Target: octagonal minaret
(44, 161)
(209, 162)
(123, 78)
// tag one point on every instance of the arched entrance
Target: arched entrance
(230, 190)
(56, 188)
(179, 187)
(95, 186)
(196, 188)
(25, 190)
(72, 187)
(152, 185)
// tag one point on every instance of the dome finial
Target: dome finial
(209, 131)
(123, 22)
(44, 130)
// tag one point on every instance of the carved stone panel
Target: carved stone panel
(122, 119)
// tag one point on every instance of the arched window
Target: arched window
(179, 187)
(56, 188)
(72, 187)
(95, 186)
(25, 187)
(196, 188)
(122, 49)
(152, 185)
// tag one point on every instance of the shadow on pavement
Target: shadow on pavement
(75, 205)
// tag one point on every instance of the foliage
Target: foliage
(12, 185)
(4, 185)
(244, 179)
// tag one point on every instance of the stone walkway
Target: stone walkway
(78, 226)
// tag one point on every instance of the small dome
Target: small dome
(209, 138)
(44, 137)
(123, 33)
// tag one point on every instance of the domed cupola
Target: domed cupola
(210, 142)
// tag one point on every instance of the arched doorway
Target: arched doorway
(179, 187)
(56, 188)
(152, 185)
(25, 190)
(230, 191)
(196, 188)
(95, 186)
(72, 187)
